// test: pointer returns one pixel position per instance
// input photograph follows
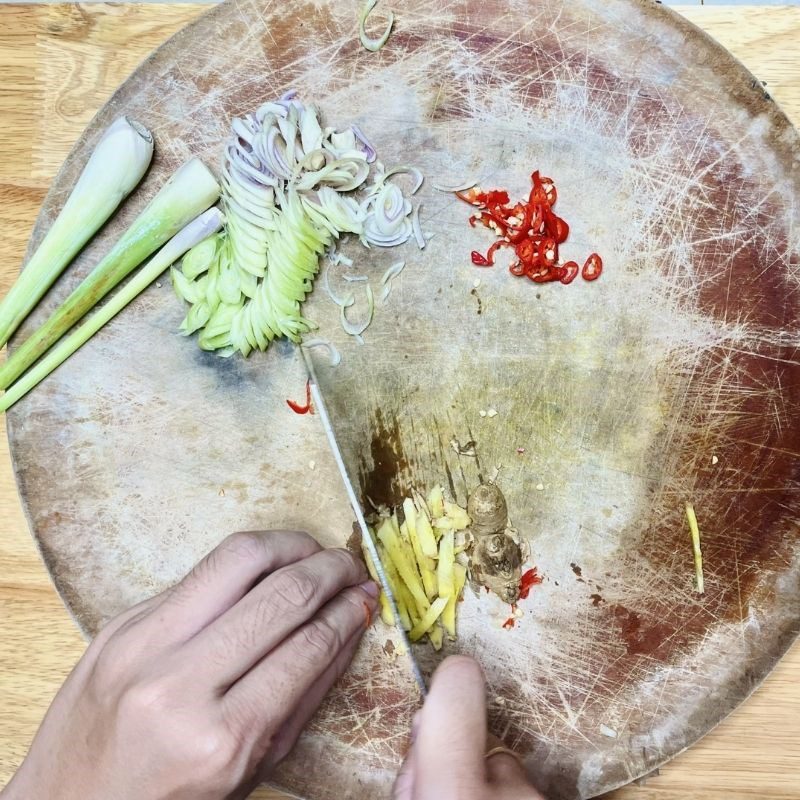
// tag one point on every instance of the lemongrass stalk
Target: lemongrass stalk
(195, 232)
(115, 167)
(189, 192)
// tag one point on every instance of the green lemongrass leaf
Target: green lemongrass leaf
(189, 192)
(194, 232)
(114, 169)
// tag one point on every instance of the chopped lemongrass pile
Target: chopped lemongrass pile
(196, 231)
(290, 192)
(113, 170)
(418, 546)
(189, 192)
(698, 555)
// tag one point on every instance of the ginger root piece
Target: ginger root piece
(496, 557)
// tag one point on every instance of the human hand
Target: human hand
(447, 759)
(198, 692)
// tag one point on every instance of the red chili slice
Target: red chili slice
(494, 248)
(549, 252)
(571, 270)
(592, 268)
(549, 189)
(479, 260)
(296, 407)
(544, 275)
(527, 582)
(537, 219)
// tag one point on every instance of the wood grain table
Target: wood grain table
(58, 65)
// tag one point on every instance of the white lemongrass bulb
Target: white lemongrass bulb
(115, 167)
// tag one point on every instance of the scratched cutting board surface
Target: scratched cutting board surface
(674, 377)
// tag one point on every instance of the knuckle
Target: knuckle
(114, 665)
(301, 537)
(245, 545)
(295, 588)
(345, 561)
(318, 639)
(212, 750)
(147, 699)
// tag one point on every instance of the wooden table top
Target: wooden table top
(58, 65)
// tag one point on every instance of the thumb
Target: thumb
(450, 746)
(404, 783)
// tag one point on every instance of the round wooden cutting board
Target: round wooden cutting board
(674, 378)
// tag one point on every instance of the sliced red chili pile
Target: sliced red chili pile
(531, 229)
(296, 407)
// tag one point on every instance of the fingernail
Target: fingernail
(371, 588)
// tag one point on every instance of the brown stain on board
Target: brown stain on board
(380, 475)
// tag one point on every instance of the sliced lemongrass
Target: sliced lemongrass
(393, 271)
(334, 355)
(115, 167)
(340, 258)
(698, 555)
(355, 278)
(461, 187)
(327, 286)
(189, 192)
(356, 329)
(370, 43)
(417, 228)
(196, 231)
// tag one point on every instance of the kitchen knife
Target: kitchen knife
(322, 411)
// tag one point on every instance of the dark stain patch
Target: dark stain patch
(232, 372)
(576, 569)
(475, 294)
(388, 647)
(380, 474)
(596, 599)
(641, 637)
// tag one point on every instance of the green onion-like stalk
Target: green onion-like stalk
(189, 192)
(115, 167)
(196, 231)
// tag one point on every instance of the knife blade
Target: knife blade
(322, 411)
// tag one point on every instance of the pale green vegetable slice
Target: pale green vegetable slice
(698, 555)
(370, 43)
